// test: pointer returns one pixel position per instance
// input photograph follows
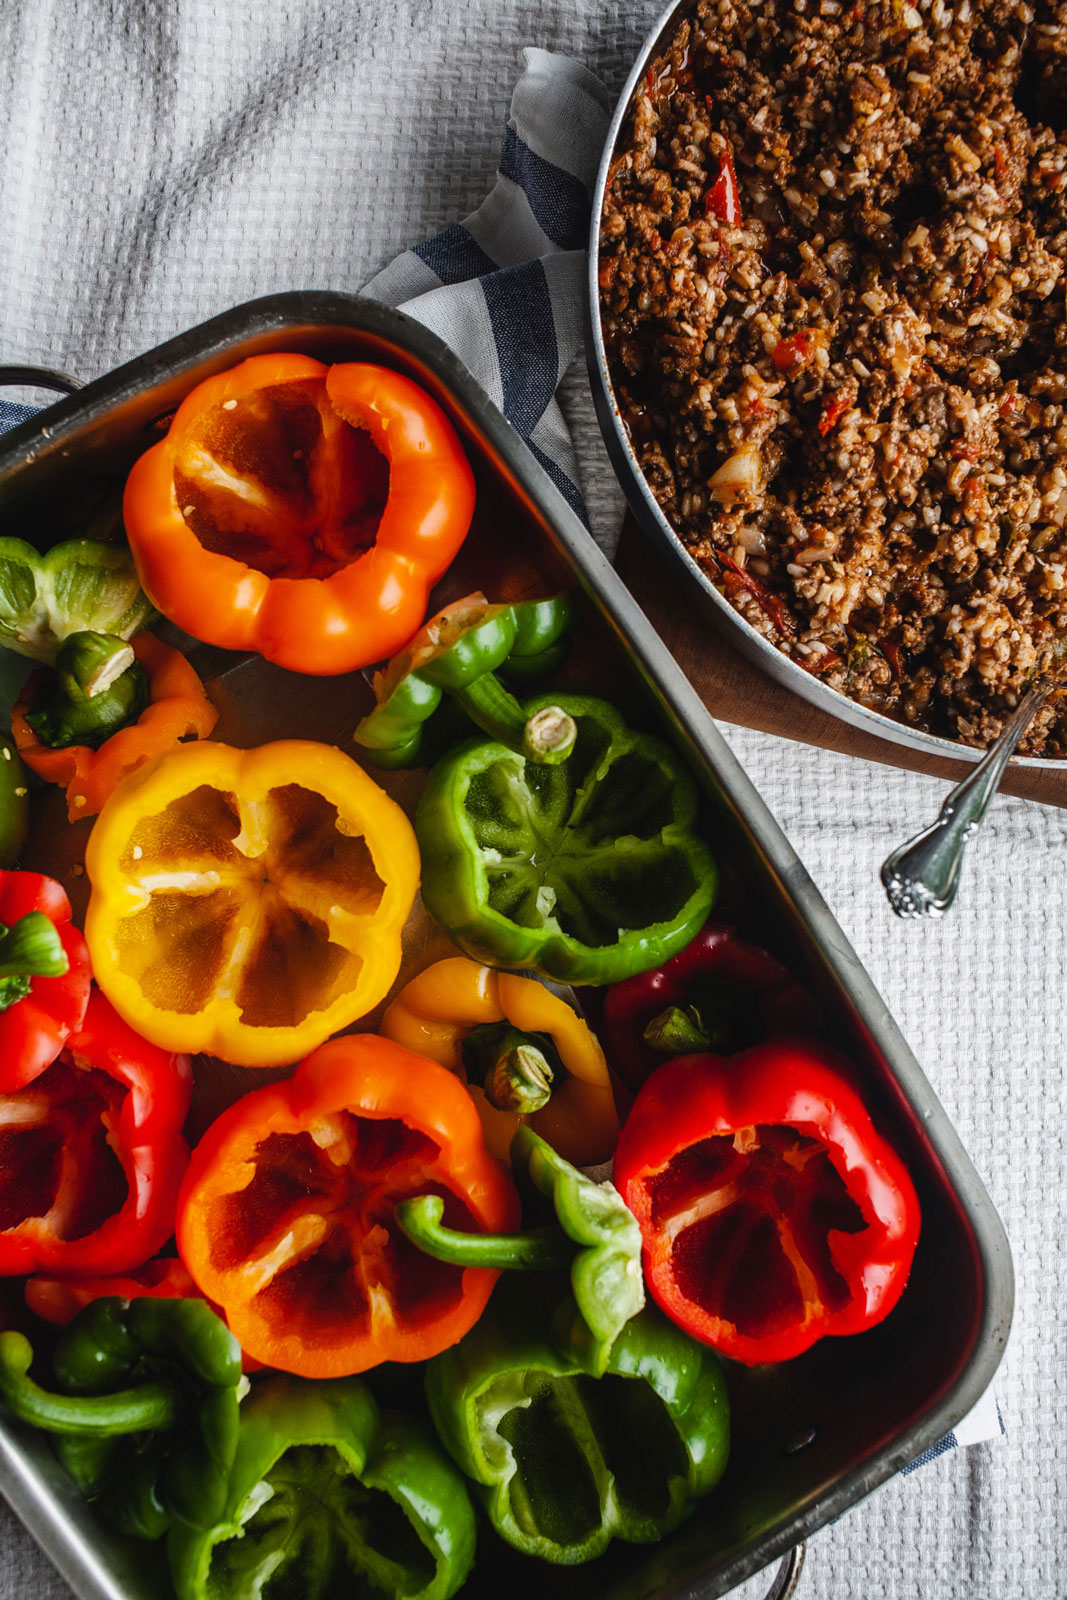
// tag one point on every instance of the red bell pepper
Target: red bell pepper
(44, 976)
(286, 1219)
(92, 1154)
(772, 1212)
(719, 993)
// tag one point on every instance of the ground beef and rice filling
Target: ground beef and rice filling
(845, 374)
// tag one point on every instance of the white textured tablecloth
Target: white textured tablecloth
(164, 161)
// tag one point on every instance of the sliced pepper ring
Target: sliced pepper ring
(177, 709)
(435, 1011)
(286, 1218)
(300, 511)
(248, 903)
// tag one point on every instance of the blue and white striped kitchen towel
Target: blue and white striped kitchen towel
(505, 289)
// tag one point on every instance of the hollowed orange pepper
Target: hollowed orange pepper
(286, 1218)
(437, 1010)
(248, 902)
(301, 511)
(177, 709)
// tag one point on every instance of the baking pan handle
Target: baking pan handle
(38, 378)
(788, 1575)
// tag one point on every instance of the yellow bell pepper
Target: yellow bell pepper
(248, 903)
(436, 1011)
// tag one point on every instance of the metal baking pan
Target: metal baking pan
(861, 1407)
(646, 508)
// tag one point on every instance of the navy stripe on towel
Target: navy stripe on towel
(939, 1449)
(567, 489)
(11, 414)
(524, 331)
(557, 200)
(455, 255)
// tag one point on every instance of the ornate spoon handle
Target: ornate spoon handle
(922, 876)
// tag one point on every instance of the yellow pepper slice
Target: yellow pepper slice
(436, 1010)
(248, 903)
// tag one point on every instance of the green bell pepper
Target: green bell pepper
(97, 689)
(14, 804)
(80, 584)
(147, 1410)
(588, 871)
(594, 1237)
(328, 1496)
(457, 653)
(567, 1460)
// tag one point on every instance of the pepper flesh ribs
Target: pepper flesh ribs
(287, 1219)
(772, 1212)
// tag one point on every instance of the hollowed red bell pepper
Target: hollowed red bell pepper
(286, 1219)
(44, 976)
(772, 1211)
(719, 993)
(92, 1154)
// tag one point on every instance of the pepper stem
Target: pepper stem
(99, 687)
(677, 1031)
(539, 1250)
(515, 1069)
(31, 948)
(546, 738)
(150, 1408)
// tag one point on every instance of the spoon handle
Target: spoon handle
(922, 876)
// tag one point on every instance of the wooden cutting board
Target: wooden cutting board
(734, 690)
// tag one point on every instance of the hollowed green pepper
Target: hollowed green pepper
(594, 1238)
(457, 653)
(328, 1496)
(145, 1420)
(567, 1460)
(588, 871)
(80, 584)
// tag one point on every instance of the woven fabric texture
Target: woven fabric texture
(163, 163)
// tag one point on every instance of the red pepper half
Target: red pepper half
(772, 1211)
(38, 1012)
(719, 993)
(92, 1154)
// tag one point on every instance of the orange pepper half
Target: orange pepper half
(248, 902)
(177, 709)
(286, 1217)
(301, 511)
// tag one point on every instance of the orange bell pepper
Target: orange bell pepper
(286, 1217)
(439, 1008)
(177, 709)
(300, 511)
(248, 903)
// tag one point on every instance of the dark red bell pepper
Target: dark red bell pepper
(92, 1154)
(44, 976)
(772, 1211)
(719, 993)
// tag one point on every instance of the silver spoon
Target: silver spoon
(922, 876)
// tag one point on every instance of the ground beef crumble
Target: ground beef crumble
(848, 388)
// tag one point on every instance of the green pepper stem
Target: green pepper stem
(539, 1250)
(31, 948)
(89, 663)
(677, 1031)
(150, 1408)
(546, 738)
(549, 736)
(515, 1069)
